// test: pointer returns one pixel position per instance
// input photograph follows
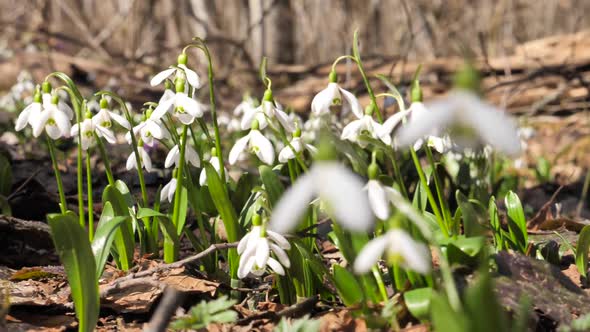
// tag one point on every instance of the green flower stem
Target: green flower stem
(398, 176)
(133, 141)
(205, 50)
(340, 58)
(170, 252)
(380, 283)
(359, 62)
(60, 187)
(89, 196)
(439, 189)
(105, 160)
(447, 278)
(431, 198)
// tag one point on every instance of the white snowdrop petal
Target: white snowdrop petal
(281, 255)
(280, 240)
(243, 242)
(162, 108)
(245, 268)
(353, 102)
(161, 76)
(323, 100)
(378, 199)
(440, 114)
(294, 202)
(145, 159)
(262, 252)
(342, 191)
(276, 266)
(191, 156)
(351, 131)
(172, 157)
(191, 76)
(284, 120)
(120, 120)
(370, 255)
(265, 151)
(131, 162)
(416, 256)
(238, 148)
(248, 117)
(190, 105)
(23, 118)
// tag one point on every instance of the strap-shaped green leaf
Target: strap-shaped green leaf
(272, 184)
(516, 221)
(582, 251)
(418, 302)
(71, 242)
(124, 239)
(348, 287)
(104, 236)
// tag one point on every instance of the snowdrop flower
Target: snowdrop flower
(296, 145)
(257, 143)
(51, 100)
(146, 161)
(190, 155)
(29, 114)
(169, 190)
(255, 250)
(334, 95)
(364, 125)
(54, 121)
(468, 120)
(248, 103)
(398, 248)
(104, 118)
(148, 130)
(88, 128)
(268, 109)
(336, 186)
(214, 161)
(181, 70)
(183, 107)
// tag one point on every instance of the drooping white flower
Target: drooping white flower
(183, 107)
(334, 95)
(148, 130)
(255, 250)
(54, 121)
(296, 145)
(214, 161)
(469, 122)
(87, 135)
(268, 109)
(190, 155)
(51, 101)
(257, 144)
(29, 114)
(144, 157)
(168, 191)
(364, 125)
(399, 248)
(337, 187)
(181, 70)
(104, 118)
(247, 104)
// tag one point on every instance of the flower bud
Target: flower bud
(213, 152)
(373, 171)
(182, 59)
(297, 132)
(167, 85)
(255, 125)
(104, 103)
(55, 99)
(333, 77)
(37, 97)
(256, 219)
(46, 87)
(268, 95)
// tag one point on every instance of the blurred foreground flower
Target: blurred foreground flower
(336, 186)
(399, 249)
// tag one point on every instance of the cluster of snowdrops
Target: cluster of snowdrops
(341, 164)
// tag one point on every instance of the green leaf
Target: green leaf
(483, 309)
(444, 318)
(495, 223)
(418, 302)
(473, 216)
(71, 243)
(147, 213)
(582, 251)
(5, 176)
(516, 221)
(272, 184)
(223, 204)
(182, 212)
(71, 85)
(205, 313)
(348, 287)
(104, 236)
(124, 239)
